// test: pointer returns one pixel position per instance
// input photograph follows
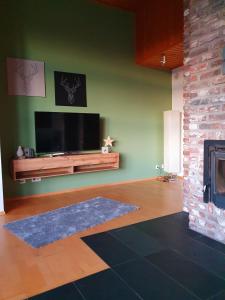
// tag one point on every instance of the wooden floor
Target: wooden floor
(25, 271)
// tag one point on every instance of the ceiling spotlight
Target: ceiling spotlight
(163, 59)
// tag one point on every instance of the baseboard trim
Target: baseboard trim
(89, 187)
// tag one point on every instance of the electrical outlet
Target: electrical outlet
(162, 166)
(22, 181)
(35, 179)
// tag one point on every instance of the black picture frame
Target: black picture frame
(70, 89)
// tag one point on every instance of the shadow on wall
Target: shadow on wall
(15, 110)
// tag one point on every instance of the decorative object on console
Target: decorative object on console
(108, 141)
(20, 153)
(25, 77)
(108, 145)
(70, 89)
(105, 150)
(29, 152)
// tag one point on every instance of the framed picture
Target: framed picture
(25, 77)
(70, 89)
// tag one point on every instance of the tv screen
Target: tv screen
(66, 132)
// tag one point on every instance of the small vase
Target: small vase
(19, 152)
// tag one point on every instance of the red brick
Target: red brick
(217, 117)
(209, 75)
(219, 80)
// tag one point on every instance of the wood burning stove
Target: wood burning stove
(214, 172)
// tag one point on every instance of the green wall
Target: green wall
(83, 37)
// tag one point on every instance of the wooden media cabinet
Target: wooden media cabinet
(43, 167)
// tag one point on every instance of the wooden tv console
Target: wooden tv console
(43, 167)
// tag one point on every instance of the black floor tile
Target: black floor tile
(178, 222)
(111, 250)
(150, 283)
(198, 252)
(105, 285)
(190, 275)
(65, 292)
(137, 241)
(182, 219)
(175, 237)
(220, 296)
(210, 243)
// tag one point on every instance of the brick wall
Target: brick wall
(204, 106)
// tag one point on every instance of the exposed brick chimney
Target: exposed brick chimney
(204, 106)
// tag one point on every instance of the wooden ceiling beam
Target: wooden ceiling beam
(159, 31)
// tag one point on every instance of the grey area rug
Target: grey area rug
(54, 225)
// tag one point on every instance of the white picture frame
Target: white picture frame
(25, 77)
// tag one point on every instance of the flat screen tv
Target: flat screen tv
(66, 132)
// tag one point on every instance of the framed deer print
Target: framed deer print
(70, 89)
(25, 77)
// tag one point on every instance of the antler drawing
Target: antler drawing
(71, 90)
(26, 74)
